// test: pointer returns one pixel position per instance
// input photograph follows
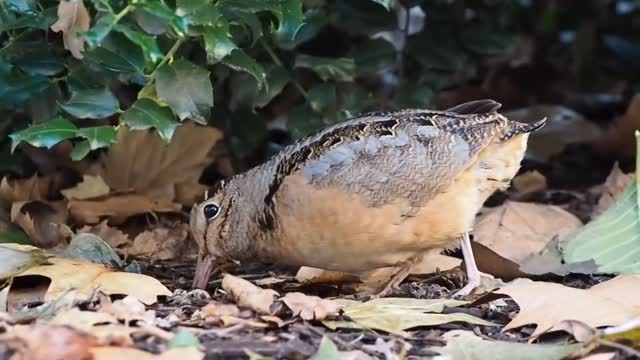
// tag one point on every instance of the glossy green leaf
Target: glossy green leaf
(40, 20)
(98, 136)
(146, 114)
(82, 77)
(94, 104)
(385, 3)
(80, 150)
(15, 236)
(100, 30)
(238, 60)
(218, 43)
(161, 11)
(337, 69)
(46, 134)
(117, 54)
(245, 91)
(199, 12)
(45, 106)
(146, 42)
(249, 21)
(187, 89)
(22, 6)
(151, 23)
(17, 89)
(35, 57)
(613, 239)
(277, 78)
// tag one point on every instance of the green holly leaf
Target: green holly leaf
(238, 60)
(35, 57)
(146, 113)
(336, 69)
(117, 54)
(187, 89)
(80, 150)
(218, 43)
(385, 3)
(98, 136)
(199, 12)
(18, 89)
(146, 42)
(100, 30)
(46, 134)
(162, 13)
(93, 103)
(82, 77)
(41, 20)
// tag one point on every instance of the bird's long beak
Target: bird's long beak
(204, 268)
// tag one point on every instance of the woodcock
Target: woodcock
(378, 190)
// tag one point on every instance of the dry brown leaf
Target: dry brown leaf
(228, 320)
(129, 309)
(141, 162)
(309, 275)
(528, 184)
(162, 243)
(85, 276)
(520, 233)
(90, 187)
(118, 207)
(117, 353)
(619, 141)
(111, 235)
(548, 305)
(28, 189)
(73, 19)
(38, 342)
(247, 295)
(215, 310)
(40, 221)
(612, 188)
(310, 307)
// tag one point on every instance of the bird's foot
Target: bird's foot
(472, 283)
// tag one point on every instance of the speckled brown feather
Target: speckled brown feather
(370, 192)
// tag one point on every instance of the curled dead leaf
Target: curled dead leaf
(612, 189)
(40, 221)
(28, 189)
(310, 307)
(90, 187)
(140, 161)
(73, 19)
(247, 295)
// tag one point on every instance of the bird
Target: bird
(380, 189)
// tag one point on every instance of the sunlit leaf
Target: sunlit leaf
(612, 240)
(146, 113)
(199, 12)
(290, 20)
(218, 43)
(98, 136)
(46, 134)
(94, 104)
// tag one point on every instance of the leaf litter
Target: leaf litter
(82, 286)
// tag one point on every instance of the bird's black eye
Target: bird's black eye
(211, 211)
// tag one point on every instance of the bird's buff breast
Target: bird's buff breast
(334, 230)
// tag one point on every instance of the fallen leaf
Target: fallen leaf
(547, 305)
(90, 187)
(85, 276)
(612, 189)
(618, 141)
(40, 221)
(90, 247)
(309, 275)
(73, 19)
(115, 353)
(611, 240)
(465, 345)
(86, 321)
(247, 295)
(118, 207)
(528, 184)
(215, 310)
(600, 356)
(527, 235)
(141, 162)
(162, 243)
(310, 307)
(38, 342)
(394, 315)
(14, 260)
(129, 309)
(111, 235)
(327, 350)
(33, 188)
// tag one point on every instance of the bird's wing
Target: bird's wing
(411, 154)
